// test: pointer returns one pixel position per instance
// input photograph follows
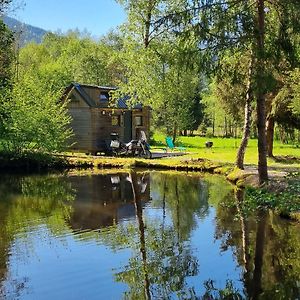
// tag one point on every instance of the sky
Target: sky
(96, 16)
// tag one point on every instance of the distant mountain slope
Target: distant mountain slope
(27, 33)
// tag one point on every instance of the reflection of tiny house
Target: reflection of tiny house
(96, 207)
(93, 120)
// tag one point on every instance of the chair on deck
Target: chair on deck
(171, 146)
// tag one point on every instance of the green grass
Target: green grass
(225, 149)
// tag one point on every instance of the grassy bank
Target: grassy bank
(218, 160)
(283, 197)
(224, 150)
(30, 162)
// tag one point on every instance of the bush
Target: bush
(30, 161)
(209, 133)
(35, 119)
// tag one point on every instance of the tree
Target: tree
(6, 55)
(233, 90)
(4, 5)
(294, 87)
(247, 117)
(36, 119)
(283, 108)
(6, 60)
(161, 69)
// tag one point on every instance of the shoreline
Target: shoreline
(248, 178)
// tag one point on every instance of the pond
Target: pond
(143, 235)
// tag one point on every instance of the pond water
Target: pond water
(140, 236)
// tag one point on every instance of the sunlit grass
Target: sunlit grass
(225, 149)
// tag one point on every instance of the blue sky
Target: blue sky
(97, 16)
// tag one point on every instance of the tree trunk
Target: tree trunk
(148, 23)
(270, 135)
(174, 132)
(213, 124)
(261, 101)
(247, 121)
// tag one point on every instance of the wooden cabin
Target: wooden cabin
(93, 120)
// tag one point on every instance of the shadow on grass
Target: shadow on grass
(287, 159)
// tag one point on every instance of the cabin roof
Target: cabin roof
(122, 103)
(100, 87)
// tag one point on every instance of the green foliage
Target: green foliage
(36, 119)
(6, 60)
(231, 81)
(33, 117)
(285, 202)
(6, 56)
(162, 69)
(165, 77)
(62, 59)
(224, 102)
(229, 292)
(28, 161)
(289, 96)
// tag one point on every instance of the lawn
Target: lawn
(224, 150)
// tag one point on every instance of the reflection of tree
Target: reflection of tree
(139, 214)
(162, 258)
(268, 248)
(27, 202)
(229, 292)
(186, 198)
(256, 284)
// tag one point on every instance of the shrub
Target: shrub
(35, 118)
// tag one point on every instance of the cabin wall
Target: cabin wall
(93, 93)
(145, 113)
(82, 128)
(102, 126)
(75, 100)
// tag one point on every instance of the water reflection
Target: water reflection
(26, 203)
(140, 236)
(267, 247)
(102, 201)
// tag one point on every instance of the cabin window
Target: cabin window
(103, 97)
(139, 121)
(115, 120)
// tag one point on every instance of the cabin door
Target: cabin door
(127, 126)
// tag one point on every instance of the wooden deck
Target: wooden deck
(156, 155)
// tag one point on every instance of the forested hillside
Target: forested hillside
(25, 32)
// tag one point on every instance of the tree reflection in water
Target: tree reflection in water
(156, 216)
(162, 257)
(267, 247)
(26, 202)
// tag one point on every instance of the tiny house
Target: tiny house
(93, 120)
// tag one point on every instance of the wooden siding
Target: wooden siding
(93, 93)
(92, 126)
(82, 128)
(76, 101)
(145, 113)
(102, 126)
